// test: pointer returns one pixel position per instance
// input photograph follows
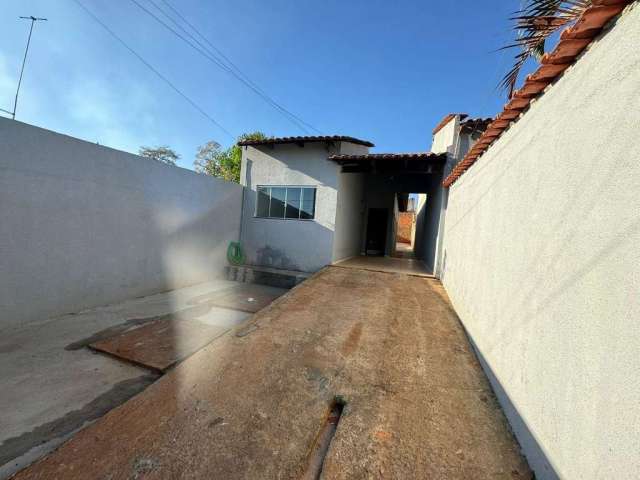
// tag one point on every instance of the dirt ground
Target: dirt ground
(251, 404)
(53, 385)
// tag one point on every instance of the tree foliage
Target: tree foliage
(212, 160)
(534, 23)
(162, 154)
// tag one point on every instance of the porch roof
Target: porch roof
(420, 162)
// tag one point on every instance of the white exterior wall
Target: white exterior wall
(542, 264)
(303, 245)
(444, 138)
(84, 225)
(350, 217)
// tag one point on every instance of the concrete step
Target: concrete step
(273, 277)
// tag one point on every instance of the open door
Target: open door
(377, 222)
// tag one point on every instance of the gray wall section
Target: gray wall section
(421, 210)
(85, 225)
(349, 231)
(541, 257)
(303, 245)
(431, 224)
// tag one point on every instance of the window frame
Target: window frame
(310, 187)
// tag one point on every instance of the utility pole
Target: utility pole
(24, 60)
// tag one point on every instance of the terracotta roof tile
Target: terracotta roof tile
(501, 123)
(305, 139)
(509, 114)
(548, 72)
(532, 87)
(517, 103)
(573, 41)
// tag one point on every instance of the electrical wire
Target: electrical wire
(235, 67)
(154, 70)
(224, 63)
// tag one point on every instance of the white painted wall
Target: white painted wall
(84, 225)
(542, 264)
(421, 210)
(347, 241)
(447, 140)
(303, 245)
(444, 139)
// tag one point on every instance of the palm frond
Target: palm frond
(533, 25)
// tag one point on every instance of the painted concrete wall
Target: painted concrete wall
(542, 264)
(444, 138)
(350, 218)
(433, 220)
(85, 225)
(451, 141)
(304, 245)
(421, 211)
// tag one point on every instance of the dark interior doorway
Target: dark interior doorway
(377, 221)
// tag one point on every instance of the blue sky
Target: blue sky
(379, 70)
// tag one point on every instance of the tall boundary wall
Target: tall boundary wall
(541, 260)
(83, 225)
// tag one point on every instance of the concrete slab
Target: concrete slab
(245, 297)
(52, 386)
(160, 344)
(408, 266)
(251, 404)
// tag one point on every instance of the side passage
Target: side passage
(323, 441)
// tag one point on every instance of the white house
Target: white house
(313, 201)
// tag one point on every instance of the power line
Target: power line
(227, 66)
(236, 70)
(223, 62)
(206, 40)
(150, 67)
(234, 66)
(202, 50)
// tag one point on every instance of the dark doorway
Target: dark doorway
(406, 223)
(377, 231)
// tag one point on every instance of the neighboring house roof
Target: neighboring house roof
(446, 120)
(423, 162)
(475, 125)
(573, 41)
(305, 139)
